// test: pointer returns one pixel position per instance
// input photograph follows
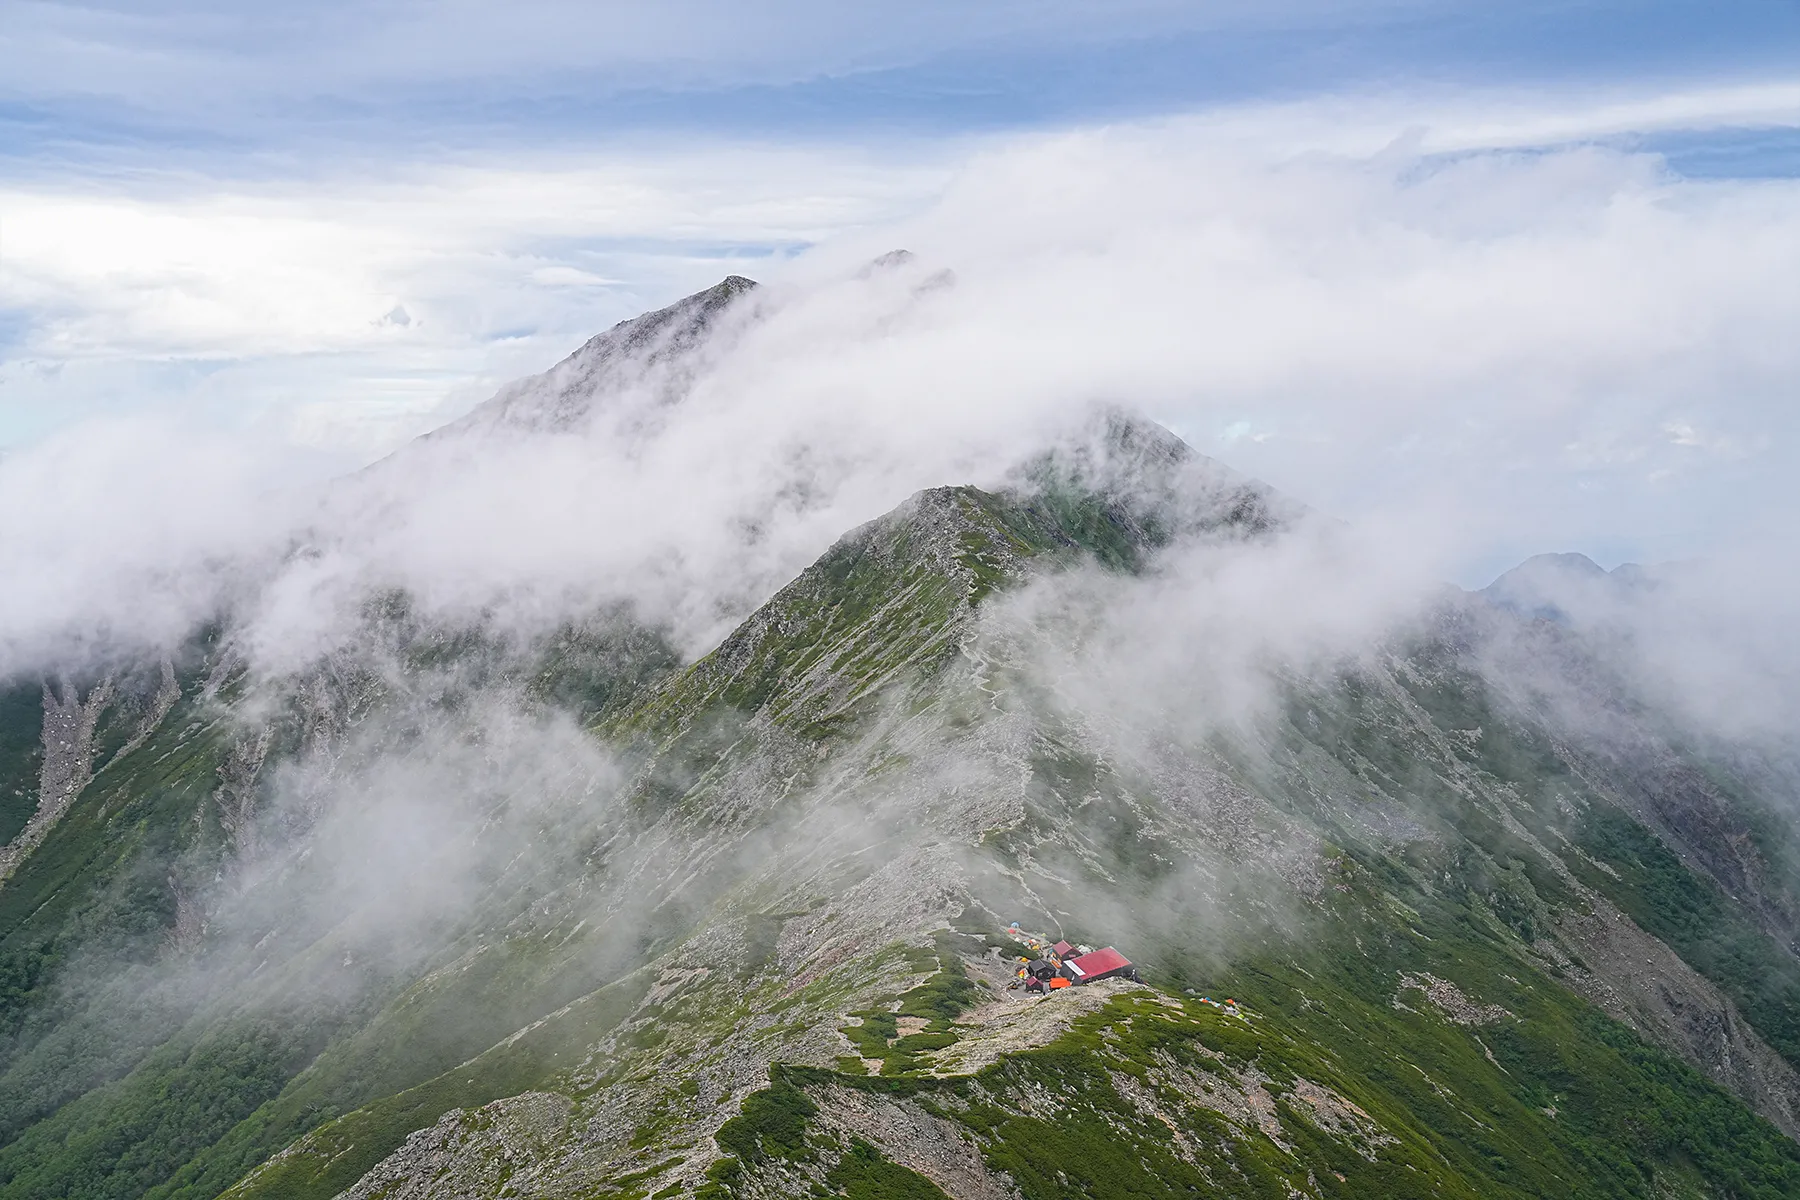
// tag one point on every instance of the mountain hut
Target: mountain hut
(1104, 963)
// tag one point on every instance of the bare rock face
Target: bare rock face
(158, 706)
(69, 721)
(236, 795)
(1007, 1025)
(1449, 1000)
(936, 1148)
(480, 1153)
(189, 930)
(1635, 978)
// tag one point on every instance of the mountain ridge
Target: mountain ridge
(455, 913)
(559, 399)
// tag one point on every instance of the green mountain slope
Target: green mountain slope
(459, 912)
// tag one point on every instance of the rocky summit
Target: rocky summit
(925, 881)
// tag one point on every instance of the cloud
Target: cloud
(287, 286)
(1438, 119)
(285, 294)
(1415, 342)
(1705, 645)
(1203, 644)
(166, 266)
(1411, 341)
(1433, 329)
(126, 533)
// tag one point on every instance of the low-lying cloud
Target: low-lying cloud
(1449, 353)
(1497, 344)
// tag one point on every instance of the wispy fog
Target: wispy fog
(1706, 644)
(1431, 361)
(368, 723)
(1488, 350)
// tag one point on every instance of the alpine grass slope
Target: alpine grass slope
(464, 912)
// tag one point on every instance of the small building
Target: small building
(1104, 963)
(1062, 950)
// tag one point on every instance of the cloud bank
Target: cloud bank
(1481, 349)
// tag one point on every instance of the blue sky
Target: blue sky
(216, 210)
(253, 90)
(546, 68)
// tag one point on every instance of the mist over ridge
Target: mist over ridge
(1495, 322)
(900, 601)
(629, 783)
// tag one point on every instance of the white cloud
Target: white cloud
(1495, 343)
(1419, 345)
(319, 266)
(571, 277)
(1457, 120)
(126, 532)
(290, 290)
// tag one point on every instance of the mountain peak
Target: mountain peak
(1553, 587)
(647, 349)
(887, 262)
(1141, 478)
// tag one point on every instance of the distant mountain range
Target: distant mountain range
(1553, 586)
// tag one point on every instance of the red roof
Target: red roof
(1100, 962)
(1062, 949)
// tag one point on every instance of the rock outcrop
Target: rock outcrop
(68, 763)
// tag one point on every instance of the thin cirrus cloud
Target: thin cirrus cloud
(148, 53)
(321, 80)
